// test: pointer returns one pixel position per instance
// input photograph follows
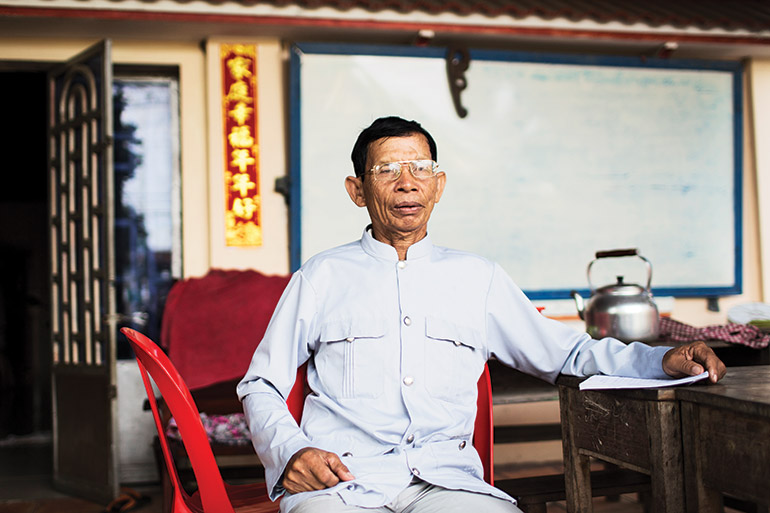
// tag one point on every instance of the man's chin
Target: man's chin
(404, 229)
(412, 231)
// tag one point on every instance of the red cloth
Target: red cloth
(744, 334)
(211, 325)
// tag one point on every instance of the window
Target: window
(147, 200)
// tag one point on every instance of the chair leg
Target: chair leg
(165, 482)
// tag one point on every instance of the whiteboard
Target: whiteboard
(558, 157)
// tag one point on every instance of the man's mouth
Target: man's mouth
(407, 208)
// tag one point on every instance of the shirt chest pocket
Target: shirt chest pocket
(454, 358)
(349, 358)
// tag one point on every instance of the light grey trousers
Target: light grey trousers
(419, 497)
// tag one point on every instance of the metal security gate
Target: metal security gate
(82, 275)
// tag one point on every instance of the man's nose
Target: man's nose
(406, 180)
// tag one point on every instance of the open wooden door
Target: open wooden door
(83, 322)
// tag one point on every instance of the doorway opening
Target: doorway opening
(25, 360)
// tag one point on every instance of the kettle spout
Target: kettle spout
(579, 303)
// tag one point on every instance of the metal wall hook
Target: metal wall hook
(457, 62)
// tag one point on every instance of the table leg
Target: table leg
(700, 499)
(666, 462)
(577, 467)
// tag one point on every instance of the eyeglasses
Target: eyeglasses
(391, 171)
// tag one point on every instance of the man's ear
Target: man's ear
(440, 183)
(355, 187)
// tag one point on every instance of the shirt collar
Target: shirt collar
(379, 249)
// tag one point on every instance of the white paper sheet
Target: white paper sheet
(601, 381)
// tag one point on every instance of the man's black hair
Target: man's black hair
(391, 126)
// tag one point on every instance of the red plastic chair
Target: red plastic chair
(484, 427)
(214, 495)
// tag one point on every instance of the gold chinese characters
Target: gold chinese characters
(243, 205)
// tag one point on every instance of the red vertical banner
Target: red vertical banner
(243, 205)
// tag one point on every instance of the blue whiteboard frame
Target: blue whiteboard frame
(735, 69)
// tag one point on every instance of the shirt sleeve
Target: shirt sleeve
(273, 369)
(521, 337)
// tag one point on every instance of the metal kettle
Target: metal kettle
(625, 311)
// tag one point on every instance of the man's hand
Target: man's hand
(691, 360)
(313, 469)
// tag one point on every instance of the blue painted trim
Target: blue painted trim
(738, 175)
(735, 68)
(656, 292)
(295, 160)
(376, 50)
(604, 60)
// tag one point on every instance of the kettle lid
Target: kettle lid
(621, 289)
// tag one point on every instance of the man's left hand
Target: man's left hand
(691, 360)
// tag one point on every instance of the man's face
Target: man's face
(399, 210)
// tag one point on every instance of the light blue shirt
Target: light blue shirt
(395, 349)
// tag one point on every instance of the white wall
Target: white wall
(759, 76)
(136, 457)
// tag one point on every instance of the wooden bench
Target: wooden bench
(532, 493)
(510, 386)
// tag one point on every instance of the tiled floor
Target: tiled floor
(25, 482)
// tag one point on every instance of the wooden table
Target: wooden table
(635, 429)
(726, 438)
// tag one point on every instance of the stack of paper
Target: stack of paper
(601, 381)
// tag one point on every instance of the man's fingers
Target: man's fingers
(313, 469)
(675, 361)
(339, 468)
(692, 359)
(691, 368)
(324, 472)
(311, 472)
(711, 362)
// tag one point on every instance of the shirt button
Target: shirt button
(407, 321)
(410, 439)
(401, 264)
(415, 472)
(408, 381)
(463, 444)
(350, 339)
(347, 454)
(457, 342)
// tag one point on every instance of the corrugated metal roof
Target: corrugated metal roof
(734, 15)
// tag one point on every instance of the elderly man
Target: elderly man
(396, 332)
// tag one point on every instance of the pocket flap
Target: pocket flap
(440, 329)
(351, 329)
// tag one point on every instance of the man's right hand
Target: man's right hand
(313, 469)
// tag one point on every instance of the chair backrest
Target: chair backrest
(484, 427)
(176, 396)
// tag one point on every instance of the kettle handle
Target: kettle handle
(617, 253)
(620, 253)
